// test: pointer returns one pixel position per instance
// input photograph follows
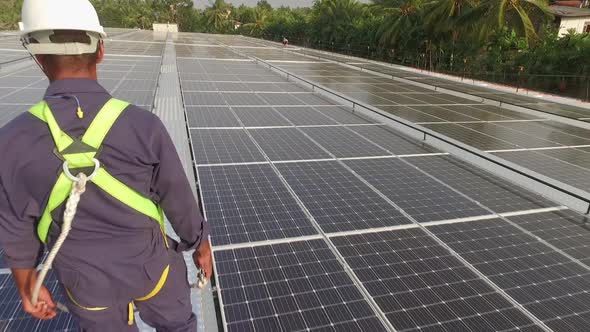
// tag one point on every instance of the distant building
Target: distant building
(571, 18)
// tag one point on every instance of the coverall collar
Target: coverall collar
(74, 85)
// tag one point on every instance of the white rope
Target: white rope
(78, 188)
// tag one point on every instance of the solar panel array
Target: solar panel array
(468, 120)
(324, 220)
(306, 199)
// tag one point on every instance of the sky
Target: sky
(274, 3)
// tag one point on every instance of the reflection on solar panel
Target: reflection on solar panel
(421, 287)
(548, 284)
(291, 287)
(420, 196)
(492, 192)
(336, 199)
(343, 142)
(249, 203)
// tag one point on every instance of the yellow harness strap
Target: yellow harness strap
(93, 138)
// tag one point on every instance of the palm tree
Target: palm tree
(257, 27)
(521, 15)
(402, 21)
(218, 16)
(332, 20)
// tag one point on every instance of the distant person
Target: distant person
(117, 255)
(285, 42)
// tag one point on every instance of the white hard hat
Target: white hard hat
(41, 17)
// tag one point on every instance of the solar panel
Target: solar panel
(343, 143)
(566, 230)
(297, 286)
(204, 116)
(566, 135)
(551, 167)
(313, 99)
(471, 137)
(420, 196)
(218, 146)
(412, 114)
(203, 99)
(548, 284)
(243, 99)
(445, 113)
(515, 137)
(140, 98)
(280, 99)
(420, 286)
(287, 144)
(337, 199)
(248, 203)
(260, 117)
(394, 143)
(304, 116)
(342, 115)
(497, 194)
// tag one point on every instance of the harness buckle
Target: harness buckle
(70, 176)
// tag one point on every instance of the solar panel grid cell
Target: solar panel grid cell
(343, 143)
(496, 194)
(219, 146)
(291, 287)
(336, 199)
(249, 203)
(421, 287)
(420, 196)
(548, 284)
(287, 144)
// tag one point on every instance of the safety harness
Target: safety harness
(80, 155)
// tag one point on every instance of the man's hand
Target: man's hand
(45, 308)
(203, 260)
(25, 282)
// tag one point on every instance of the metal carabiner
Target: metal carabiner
(70, 176)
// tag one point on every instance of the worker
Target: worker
(116, 256)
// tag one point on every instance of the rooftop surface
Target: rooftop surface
(567, 11)
(345, 195)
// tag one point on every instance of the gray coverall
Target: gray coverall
(113, 254)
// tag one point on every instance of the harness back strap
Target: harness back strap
(93, 137)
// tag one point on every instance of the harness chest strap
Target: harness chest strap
(93, 137)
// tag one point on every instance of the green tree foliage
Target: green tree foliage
(490, 36)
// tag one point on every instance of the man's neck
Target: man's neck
(62, 76)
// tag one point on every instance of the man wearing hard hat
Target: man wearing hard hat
(116, 255)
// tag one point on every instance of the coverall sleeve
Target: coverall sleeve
(172, 191)
(18, 236)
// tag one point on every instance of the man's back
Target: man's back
(110, 245)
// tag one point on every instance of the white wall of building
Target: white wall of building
(576, 23)
(158, 27)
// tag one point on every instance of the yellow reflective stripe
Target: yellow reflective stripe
(81, 306)
(61, 139)
(158, 287)
(103, 122)
(59, 193)
(78, 160)
(130, 317)
(126, 195)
